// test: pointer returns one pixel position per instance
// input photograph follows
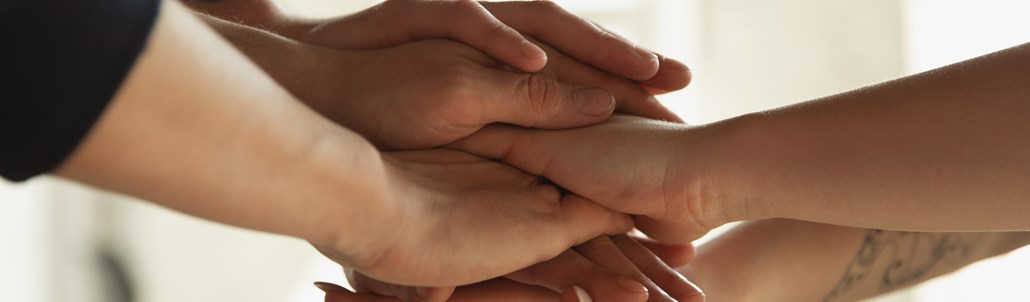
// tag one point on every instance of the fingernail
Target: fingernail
(631, 285)
(650, 57)
(325, 287)
(581, 294)
(530, 50)
(593, 101)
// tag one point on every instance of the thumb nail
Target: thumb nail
(593, 101)
(531, 51)
(581, 295)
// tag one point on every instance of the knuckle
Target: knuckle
(540, 93)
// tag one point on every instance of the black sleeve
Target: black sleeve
(62, 62)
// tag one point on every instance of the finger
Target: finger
(630, 97)
(672, 75)
(526, 149)
(571, 269)
(470, 23)
(582, 220)
(674, 255)
(365, 284)
(491, 290)
(540, 101)
(336, 293)
(548, 22)
(501, 289)
(670, 231)
(576, 294)
(603, 252)
(656, 270)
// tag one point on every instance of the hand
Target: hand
(429, 93)
(630, 164)
(607, 269)
(497, 29)
(464, 219)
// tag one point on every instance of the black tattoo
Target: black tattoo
(911, 256)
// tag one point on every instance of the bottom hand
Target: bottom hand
(454, 209)
(603, 269)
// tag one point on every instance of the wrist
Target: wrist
(701, 176)
(362, 219)
(727, 168)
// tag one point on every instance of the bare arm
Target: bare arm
(788, 260)
(946, 150)
(195, 127)
(198, 128)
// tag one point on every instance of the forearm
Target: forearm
(946, 150)
(263, 14)
(197, 128)
(788, 260)
(294, 65)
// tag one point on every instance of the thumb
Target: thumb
(540, 101)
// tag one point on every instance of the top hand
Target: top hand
(630, 164)
(430, 93)
(496, 28)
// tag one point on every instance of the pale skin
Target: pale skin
(945, 150)
(198, 128)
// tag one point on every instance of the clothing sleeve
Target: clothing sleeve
(62, 62)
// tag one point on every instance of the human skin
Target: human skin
(944, 150)
(333, 68)
(767, 260)
(432, 92)
(586, 264)
(502, 30)
(196, 127)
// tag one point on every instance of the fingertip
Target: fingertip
(581, 294)
(568, 295)
(533, 57)
(650, 63)
(593, 102)
(336, 293)
(671, 75)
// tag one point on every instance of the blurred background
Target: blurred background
(64, 242)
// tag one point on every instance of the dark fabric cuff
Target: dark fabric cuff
(63, 61)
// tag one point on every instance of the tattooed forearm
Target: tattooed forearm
(895, 259)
